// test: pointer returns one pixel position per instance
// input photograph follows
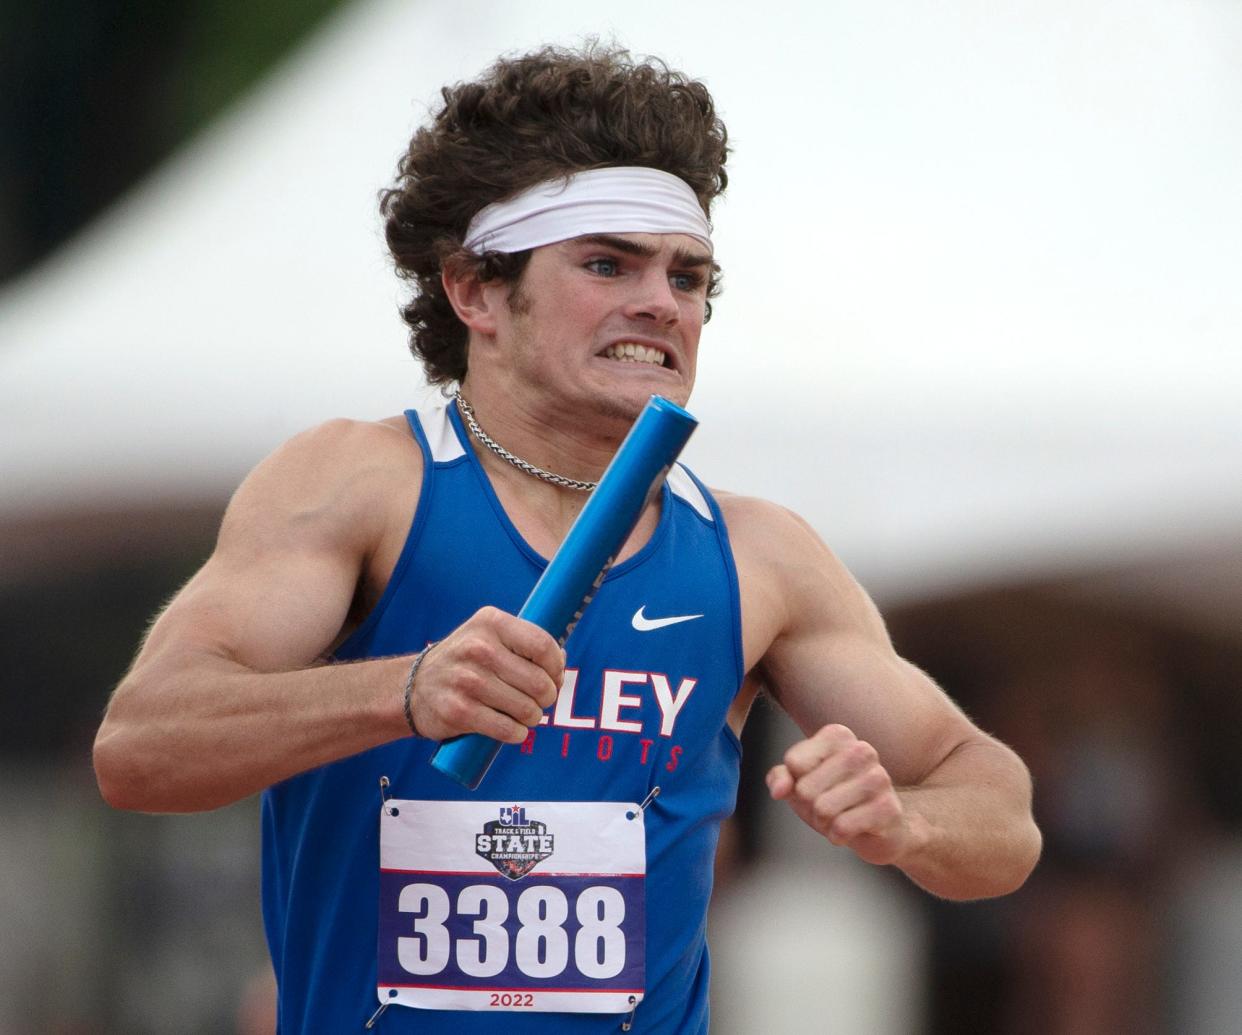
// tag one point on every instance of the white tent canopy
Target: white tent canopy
(981, 315)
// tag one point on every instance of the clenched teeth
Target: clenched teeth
(631, 352)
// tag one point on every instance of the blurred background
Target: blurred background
(982, 326)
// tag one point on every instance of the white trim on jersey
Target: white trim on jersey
(682, 485)
(441, 438)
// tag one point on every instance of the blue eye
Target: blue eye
(604, 267)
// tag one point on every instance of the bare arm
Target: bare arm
(891, 767)
(230, 692)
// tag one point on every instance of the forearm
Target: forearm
(199, 732)
(971, 830)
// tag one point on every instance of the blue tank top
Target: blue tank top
(320, 843)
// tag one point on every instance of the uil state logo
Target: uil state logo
(512, 843)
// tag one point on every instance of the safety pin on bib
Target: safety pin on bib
(384, 785)
(628, 1023)
(376, 1016)
(655, 793)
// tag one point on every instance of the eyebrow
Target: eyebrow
(681, 257)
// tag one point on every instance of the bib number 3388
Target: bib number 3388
(535, 906)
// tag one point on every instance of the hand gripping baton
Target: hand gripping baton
(579, 566)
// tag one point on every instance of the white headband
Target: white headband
(617, 200)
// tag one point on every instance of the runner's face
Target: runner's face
(605, 321)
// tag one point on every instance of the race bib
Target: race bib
(534, 906)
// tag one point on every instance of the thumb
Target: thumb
(780, 781)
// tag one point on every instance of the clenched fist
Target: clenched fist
(836, 785)
(494, 674)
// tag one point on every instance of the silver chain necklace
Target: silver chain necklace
(522, 465)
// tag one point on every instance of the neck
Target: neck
(550, 437)
(512, 459)
(556, 443)
(541, 511)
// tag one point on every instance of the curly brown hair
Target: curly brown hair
(527, 120)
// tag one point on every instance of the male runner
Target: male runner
(553, 216)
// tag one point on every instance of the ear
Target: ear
(471, 300)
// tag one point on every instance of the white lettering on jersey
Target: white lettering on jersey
(613, 700)
(670, 704)
(563, 714)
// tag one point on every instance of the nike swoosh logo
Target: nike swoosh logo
(644, 624)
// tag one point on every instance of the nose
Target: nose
(654, 299)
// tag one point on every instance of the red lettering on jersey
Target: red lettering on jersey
(528, 745)
(646, 746)
(604, 751)
(565, 745)
(673, 755)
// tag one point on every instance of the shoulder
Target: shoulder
(786, 567)
(339, 455)
(342, 445)
(769, 531)
(337, 479)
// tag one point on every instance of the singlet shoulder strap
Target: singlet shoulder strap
(686, 487)
(434, 430)
(684, 484)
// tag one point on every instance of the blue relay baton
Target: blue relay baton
(579, 566)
